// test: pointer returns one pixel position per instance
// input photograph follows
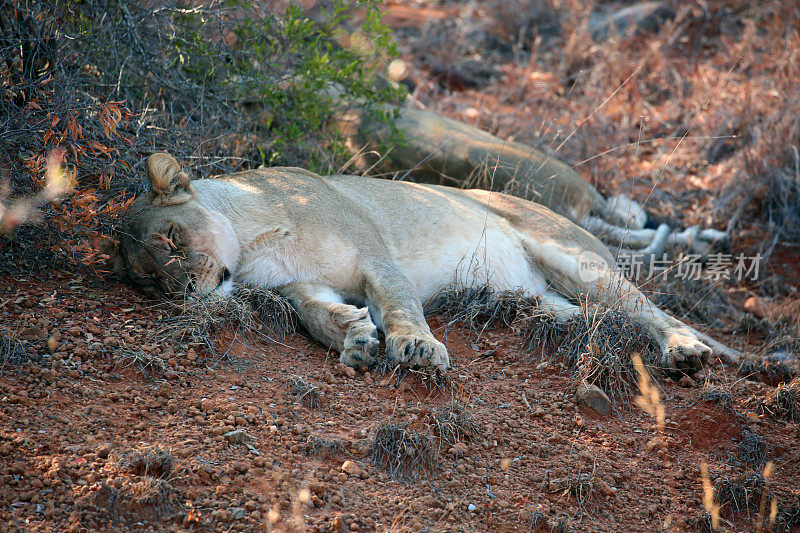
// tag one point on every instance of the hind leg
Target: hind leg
(701, 242)
(680, 347)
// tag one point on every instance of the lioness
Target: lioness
(356, 254)
(440, 150)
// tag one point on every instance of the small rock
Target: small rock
(471, 507)
(103, 451)
(606, 489)
(318, 488)
(594, 398)
(206, 404)
(460, 448)
(237, 513)
(351, 468)
(33, 333)
(237, 436)
(344, 370)
(687, 382)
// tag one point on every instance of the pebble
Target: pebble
(352, 468)
(594, 398)
(237, 436)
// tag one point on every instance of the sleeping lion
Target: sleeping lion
(355, 255)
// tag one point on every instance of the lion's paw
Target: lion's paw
(361, 336)
(417, 350)
(707, 241)
(684, 352)
(360, 348)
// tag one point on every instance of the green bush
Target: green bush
(284, 66)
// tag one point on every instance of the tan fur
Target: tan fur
(357, 254)
(170, 184)
(440, 150)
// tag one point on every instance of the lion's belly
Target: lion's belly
(465, 252)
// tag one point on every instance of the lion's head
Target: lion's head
(171, 244)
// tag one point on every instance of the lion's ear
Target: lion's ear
(171, 185)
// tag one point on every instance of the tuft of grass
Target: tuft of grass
(148, 365)
(306, 393)
(150, 497)
(402, 453)
(583, 487)
(12, 352)
(538, 523)
(741, 495)
(249, 309)
(597, 346)
(719, 396)
(769, 369)
(753, 450)
(783, 402)
(481, 307)
(703, 523)
(788, 518)
(455, 423)
(106, 497)
(151, 461)
(325, 448)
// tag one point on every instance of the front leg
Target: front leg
(398, 310)
(345, 328)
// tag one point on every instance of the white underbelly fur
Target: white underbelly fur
(496, 258)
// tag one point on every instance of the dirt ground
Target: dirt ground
(98, 439)
(109, 423)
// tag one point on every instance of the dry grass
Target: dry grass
(788, 518)
(306, 393)
(402, 453)
(248, 310)
(741, 495)
(13, 352)
(596, 346)
(770, 369)
(482, 307)
(783, 402)
(325, 448)
(454, 423)
(151, 498)
(719, 396)
(753, 450)
(150, 366)
(699, 301)
(150, 461)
